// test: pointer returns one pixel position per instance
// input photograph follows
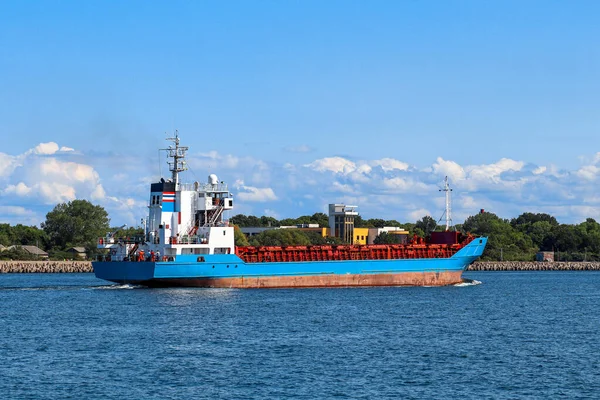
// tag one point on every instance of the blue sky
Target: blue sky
(298, 104)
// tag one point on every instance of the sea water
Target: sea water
(500, 336)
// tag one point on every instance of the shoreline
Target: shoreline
(53, 267)
(534, 266)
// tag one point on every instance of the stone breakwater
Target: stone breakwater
(23, 267)
(86, 266)
(533, 266)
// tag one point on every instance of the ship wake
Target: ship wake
(125, 286)
(468, 282)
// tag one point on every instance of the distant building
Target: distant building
(250, 231)
(301, 226)
(33, 250)
(361, 236)
(2, 247)
(341, 225)
(341, 221)
(78, 253)
(544, 256)
(392, 230)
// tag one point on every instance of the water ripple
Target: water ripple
(517, 335)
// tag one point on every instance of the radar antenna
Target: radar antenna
(448, 212)
(178, 163)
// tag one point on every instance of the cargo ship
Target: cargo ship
(188, 242)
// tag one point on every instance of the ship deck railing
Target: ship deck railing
(189, 240)
(204, 187)
(108, 240)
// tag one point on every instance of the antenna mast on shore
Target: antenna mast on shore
(448, 212)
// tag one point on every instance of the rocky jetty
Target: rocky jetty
(36, 267)
(533, 266)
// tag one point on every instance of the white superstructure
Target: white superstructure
(182, 218)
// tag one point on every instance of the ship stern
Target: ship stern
(124, 271)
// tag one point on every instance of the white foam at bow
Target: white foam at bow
(468, 282)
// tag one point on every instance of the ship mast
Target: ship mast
(448, 212)
(178, 163)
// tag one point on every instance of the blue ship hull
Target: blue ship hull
(228, 270)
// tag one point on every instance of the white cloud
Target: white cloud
(15, 210)
(271, 213)
(390, 164)
(363, 169)
(210, 154)
(399, 184)
(98, 193)
(588, 172)
(45, 148)
(450, 169)
(18, 215)
(338, 165)
(493, 171)
(68, 171)
(418, 214)
(343, 188)
(385, 187)
(7, 164)
(20, 189)
(37, 174)
(592, 171)
(55, 192)
(556, 172)
(467, 201)
(253, 194)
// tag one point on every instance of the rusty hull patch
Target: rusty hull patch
(313, 281)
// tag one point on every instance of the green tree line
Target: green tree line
(517, 239)
(520, 238)
(77, 223)
(80, 223)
